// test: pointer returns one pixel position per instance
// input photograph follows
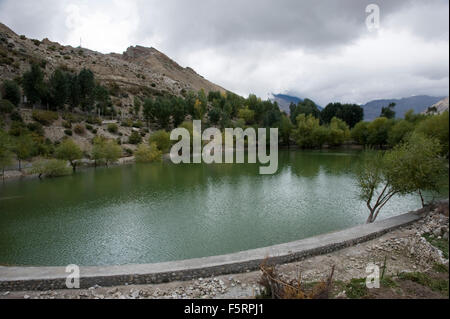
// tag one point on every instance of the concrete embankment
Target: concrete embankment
(44, 278)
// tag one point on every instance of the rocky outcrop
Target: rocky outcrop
(438, 108)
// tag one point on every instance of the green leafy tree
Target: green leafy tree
(247, 115)
(360, 133)
(33, 84)
(10, 91)
(137, 105)
(308, 132)
(6, 154)
(148, 153)
(378, 131)
(338, 132)
(201, 105)
(23, 148)
(103, 99)
(436, 126)
(68, 150)
(148, 110)
(307, 107)
(74, 90)
(349, 113)
(214, 115)
(399, 131)
(388, 112)
(59, 87)
(162, 111)
(162, 140)
(112, 152)
(285, 130)
(87, 89)
(417, 166)
(411, 167)
(107, 151)
(178, 110)
(6, 107)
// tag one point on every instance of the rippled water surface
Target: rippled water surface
(163, 212)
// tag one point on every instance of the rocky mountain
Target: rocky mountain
(418, 103)
(137, 69)
(438, 108)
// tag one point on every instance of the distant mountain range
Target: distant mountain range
(418, 103)
(372, 109)
(285, 100)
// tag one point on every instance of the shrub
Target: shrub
(89, 127)
(356, 288)
(6, 107)
(67, 125)
(128, 152)
(45, 117)
(138, 124)
(72, 118)
(16, 117)
(17, 129)
(79, 129)
(127, 123)
(162, 140)
(148, 153)
(36, 127)
(135, 138)
(68, 132)
(113, 128)
(50, 168)
(94, 120)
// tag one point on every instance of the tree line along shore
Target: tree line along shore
(81, 104)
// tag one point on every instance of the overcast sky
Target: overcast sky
(317, 49)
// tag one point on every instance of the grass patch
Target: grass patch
(388, 282)
(356, 288)
(441, 268)
(441, 244)
(440, 285)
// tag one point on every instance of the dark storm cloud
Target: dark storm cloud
(289, 23)
(317, 49)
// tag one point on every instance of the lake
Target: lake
(163, 212)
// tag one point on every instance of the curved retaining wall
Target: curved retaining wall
(46, 278)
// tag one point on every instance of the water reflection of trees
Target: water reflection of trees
(310, 163)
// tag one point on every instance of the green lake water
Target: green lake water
(163, 212)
